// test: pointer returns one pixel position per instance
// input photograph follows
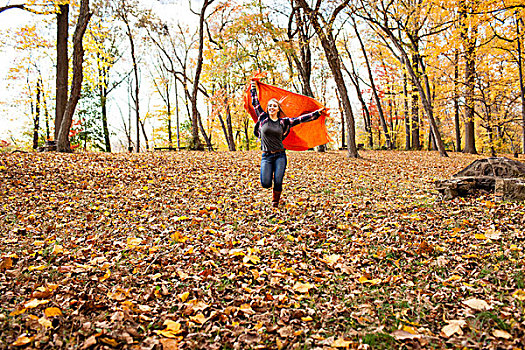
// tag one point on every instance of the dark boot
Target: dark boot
(276, 197)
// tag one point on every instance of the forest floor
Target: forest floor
(183, 250)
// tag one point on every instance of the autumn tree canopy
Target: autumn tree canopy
(406, 74)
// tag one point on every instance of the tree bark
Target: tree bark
(137, 86)
(382, 119)
(195, 115)
(177, 114)
(405, 112)
(168, 112)
(105, 129)
(522, 87)
(470, 78)
(76, 86)
(367, 120)
(62, 66)
(103, 93)
(303, 60)
(229, 127)
(416, 143)
(456, 102)
(36, 118)
(146, 141)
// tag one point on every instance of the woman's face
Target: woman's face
(273, 108)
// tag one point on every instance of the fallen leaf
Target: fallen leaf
(182, 275)
(373, 282)
(341, 343)
(302, 287)
(22, 340)
(89, 342)
(172, 326)
(6, 264)
(106, 276)
(57, 249)
(519, 294)
(331, 259)
(18, 311)
(477, 304)
(247, 309)
(168, 334)
(35, 303)
(285, 332)
(184, 296)
(400, 334)
(169, 344)
(199, 318)
(501, 334)
(453, 327)
(44, 322)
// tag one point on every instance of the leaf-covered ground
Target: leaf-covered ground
(182, 250)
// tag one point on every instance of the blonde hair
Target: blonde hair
(281, 113)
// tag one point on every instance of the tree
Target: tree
(324, 29)
(62, 80)
(385, 18)
(375, 93)
(196, 120)
(469, 32)
(76, 86)
(103, 54)
(126, 10)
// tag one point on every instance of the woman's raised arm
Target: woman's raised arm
(305, 117)
(255, 100)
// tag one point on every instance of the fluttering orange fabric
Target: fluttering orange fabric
(303, 136)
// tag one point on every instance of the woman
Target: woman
(272, 127)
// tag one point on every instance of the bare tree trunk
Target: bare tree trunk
(78, 75)
(522, 88)
(367, 120)
(416, 143)
(105, 129)
(146, 141)
(246, 134)
(456, 102)
(382, 119)
(137, 86)
(168, 112)
(62, 65)
(339, 103)
(195, 115)
(103, 92)
(177, 114)
(36, 118)
(405, 112)
(470, 76)
(207, 139)
(46, 114)
(304, 61)
(229, 127)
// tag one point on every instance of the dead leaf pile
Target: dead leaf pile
(183, 250)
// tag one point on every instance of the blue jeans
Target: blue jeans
(273, 166)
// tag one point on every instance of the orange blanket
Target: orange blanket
(303, 136)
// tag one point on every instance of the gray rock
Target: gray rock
(499, 175)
